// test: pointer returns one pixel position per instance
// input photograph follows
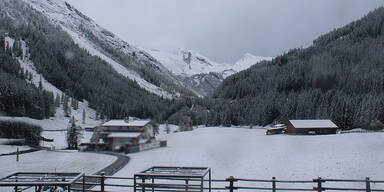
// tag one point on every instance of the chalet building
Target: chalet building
(311, 127)
(118, 134)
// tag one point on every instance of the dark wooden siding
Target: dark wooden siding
(306, 131)
(290, 128)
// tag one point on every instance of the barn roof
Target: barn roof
(313, 124)
(123, 123)
(124, 135)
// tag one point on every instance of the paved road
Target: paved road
(120, 162)
(111, 169)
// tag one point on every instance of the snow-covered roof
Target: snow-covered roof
(275, 128)
(313, 124)
(123, 123)
(125, 135)
(138, 123)
(115, 123)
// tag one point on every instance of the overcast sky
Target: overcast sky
(223, 30)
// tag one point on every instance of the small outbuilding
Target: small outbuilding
(311, 127)
(276, 129)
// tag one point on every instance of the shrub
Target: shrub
(19, 130)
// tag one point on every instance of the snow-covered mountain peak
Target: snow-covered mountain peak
(188, 62)
(183, 62)
(248, 60)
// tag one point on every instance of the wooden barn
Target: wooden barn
(311, 127)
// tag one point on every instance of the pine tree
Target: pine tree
(73, 103)
(84, 116)
(66, 108)
(57, 100)
(62, 98)
(73, 134)
(41, 83)
(167, 129)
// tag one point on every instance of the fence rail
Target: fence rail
(102, 183)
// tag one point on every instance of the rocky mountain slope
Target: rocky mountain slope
(198, 72)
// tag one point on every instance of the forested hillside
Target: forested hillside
(17, 96)
(341, 77)
(68, 67)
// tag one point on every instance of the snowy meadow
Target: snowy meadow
(249, 153)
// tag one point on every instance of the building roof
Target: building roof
(313, 124)
(123, 123)
(124, 135)
(275, 128)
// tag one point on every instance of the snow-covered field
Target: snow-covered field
(249, 153)
(51, 161)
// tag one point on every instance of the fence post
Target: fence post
(143, 184)
(102, 178)
(83, 182)
(231, 180)
(16, 189)
(367, 184)
(186, 184)
(319, 187)
(273, 184)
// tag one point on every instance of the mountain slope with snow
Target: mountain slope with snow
(127, 60)
(187, 63)
(162, 73)
(61, 63)
(200, 73)
(248, 60)
(59, 121)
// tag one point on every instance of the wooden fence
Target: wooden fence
(361, 131)
(230, 184)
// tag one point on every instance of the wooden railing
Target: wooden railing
(102, 183)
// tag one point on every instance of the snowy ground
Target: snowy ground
(51, 161)
(59, 138)
(250, 153)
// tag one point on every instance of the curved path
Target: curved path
(111, 169)
(120, 162)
